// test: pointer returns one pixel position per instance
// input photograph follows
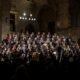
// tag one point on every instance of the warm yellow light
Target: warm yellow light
(29, 18)
(24, 14)
(30, 15)
(34, 19)
(25, 18)
(20, 17)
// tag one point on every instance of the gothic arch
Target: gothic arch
(46, 14)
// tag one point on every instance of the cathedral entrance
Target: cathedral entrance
(51, 27)
(12, 22)
(29, 28)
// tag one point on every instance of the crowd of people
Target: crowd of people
(39, 52)
(40, 46)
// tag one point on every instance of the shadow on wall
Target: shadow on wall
(51, 27)
(29, 28)
(46, 15)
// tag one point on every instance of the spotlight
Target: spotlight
(29, 18)
(34, 19)
(20, 17)
(25, 18)
(30, 15)
(24, 14)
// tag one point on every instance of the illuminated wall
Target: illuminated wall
(46, 11)
(4, 17)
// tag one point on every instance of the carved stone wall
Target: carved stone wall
(63, 16)
(4, 17)
(46, 11)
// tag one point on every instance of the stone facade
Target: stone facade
(63, 16)
(46, 11)
(4, 17)
(57, 11)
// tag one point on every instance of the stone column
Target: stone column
(63, 20)
(4, 18)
